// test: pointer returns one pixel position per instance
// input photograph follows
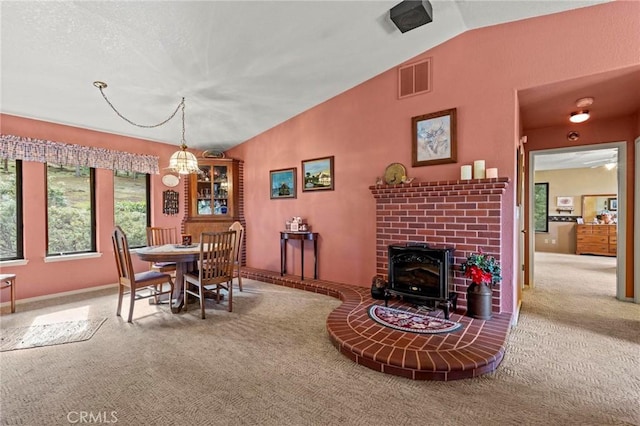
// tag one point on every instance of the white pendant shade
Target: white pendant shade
(183, 162)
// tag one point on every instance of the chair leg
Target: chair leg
(230, 292)
(201, 291)
(120, 296)
(239, 279)
(13, 295)
(133, 301)
(185, 296)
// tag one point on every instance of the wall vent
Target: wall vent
(414, 79)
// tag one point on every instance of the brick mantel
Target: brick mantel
(465, 214)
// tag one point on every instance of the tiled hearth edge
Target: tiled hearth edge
(475, 349)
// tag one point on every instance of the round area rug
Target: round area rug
(411, 322)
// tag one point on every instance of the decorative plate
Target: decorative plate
(394, 173)
(170, 180)
(212, 153)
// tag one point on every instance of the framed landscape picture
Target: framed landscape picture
(283, 183)
(317, 174)
(434, 138)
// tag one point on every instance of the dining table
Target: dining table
(184, 256)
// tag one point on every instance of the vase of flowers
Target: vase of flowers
(484, 272)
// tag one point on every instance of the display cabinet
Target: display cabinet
(212, 197)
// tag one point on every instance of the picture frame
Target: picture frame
(580, 221)
(612, 204)
(564, 201)
(282, 183)
(434, 138)
(317, 174)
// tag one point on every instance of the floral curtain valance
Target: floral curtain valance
(27, 149)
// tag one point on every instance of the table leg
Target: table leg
(302, 259)
(315, 259)
(178, 287)
(283, 256)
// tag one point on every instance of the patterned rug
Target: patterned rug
(48, 334)
(409, 321)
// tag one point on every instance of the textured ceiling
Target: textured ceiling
(242, 66)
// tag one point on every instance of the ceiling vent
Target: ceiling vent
(410, 14)
(414, 79)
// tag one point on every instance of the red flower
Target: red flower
(477, 275)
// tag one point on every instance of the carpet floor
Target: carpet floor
(571, 360)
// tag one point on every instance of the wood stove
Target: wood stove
(422, 274)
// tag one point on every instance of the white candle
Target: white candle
(492, 173)
(478, 169)
(465, 172)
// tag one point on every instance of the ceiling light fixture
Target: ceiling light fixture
(579, 116)
(182, 161)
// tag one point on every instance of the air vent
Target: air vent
(414, 79)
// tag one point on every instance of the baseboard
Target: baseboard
(63, 294)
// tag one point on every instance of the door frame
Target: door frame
(622, 215)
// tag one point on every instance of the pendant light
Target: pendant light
(182, 162)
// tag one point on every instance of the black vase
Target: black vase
(479, 301)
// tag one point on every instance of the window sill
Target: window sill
(67, 257)
(11, 263)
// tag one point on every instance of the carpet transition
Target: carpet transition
(412, 322)
(48, 334)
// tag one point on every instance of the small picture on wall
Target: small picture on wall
(283, 183)
(612, 204)
(317, 174)
(564, 202)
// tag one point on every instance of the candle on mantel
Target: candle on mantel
(478, 169)
(465, 172)
(492, 173)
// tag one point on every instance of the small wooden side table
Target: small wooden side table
(302, 236)
(9, 280)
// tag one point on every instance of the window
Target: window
(71, 215)
(11, 210)
(131, 205)
(541, 212)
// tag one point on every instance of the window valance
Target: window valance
(42, 151)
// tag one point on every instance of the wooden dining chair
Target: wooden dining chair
(141, 285)
(215, 271)
(237, 255)
(157, 236)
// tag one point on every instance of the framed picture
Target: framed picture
(317, 174)
(434, 138)
(283, 183)
(564, 202)
(612, 204)
(580, 221)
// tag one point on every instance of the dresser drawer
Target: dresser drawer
(592, 239)
(600, 229)
(593, 248)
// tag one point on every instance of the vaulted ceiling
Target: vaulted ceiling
(243, 66)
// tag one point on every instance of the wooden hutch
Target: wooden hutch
(213, 197)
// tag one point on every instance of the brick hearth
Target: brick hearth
(465, 214)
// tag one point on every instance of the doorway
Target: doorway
(574, 155)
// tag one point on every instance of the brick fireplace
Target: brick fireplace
(464, 214)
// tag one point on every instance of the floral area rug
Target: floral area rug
(48, 334)
(412, 322)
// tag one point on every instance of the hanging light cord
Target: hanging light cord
(101, 86)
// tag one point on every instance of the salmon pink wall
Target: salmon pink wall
(38, 278)
(367, 128)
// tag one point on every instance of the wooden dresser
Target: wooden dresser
(597, 239)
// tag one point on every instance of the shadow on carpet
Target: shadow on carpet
(48, 334)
